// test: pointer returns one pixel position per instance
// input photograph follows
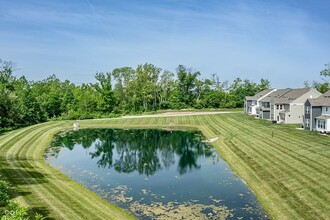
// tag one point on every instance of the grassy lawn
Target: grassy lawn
(288, 169)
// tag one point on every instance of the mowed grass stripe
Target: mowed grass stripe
(32, 177)
(282, 142)
(71, 194)
(306, 168)
(11, 139)
(272, 201)
(11, 134)
(283, 162)
(287, 150)
(19, 149)
(265, 193)
(241, 160)
(302, 144)
(289, 172)
(251, 144)
(54, 190)
(32, 182)
(284, 169)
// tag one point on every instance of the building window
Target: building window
(281, 107)
(307, 110)
(326, 108)
(321, 124)
(277, 107)
(307, 122)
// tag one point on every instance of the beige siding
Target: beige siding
(295, 110)
(276, 112)
(310, 94)
(295, 116)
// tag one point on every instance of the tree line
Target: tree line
(122, 91)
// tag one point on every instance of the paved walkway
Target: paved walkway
(166, 114)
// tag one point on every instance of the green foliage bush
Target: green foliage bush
(10, 209)
(200, 104)
(165, 105)
(15, 212)
(4, 196)
(39, 217)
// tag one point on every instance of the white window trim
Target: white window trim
(307, 111)
(307, 122)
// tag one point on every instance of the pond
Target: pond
(154, 174)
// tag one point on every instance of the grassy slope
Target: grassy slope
(289, 172)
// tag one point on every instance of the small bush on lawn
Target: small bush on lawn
(10, 209)
(4, 196)
(15, 212)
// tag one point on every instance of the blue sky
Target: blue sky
(286, 42)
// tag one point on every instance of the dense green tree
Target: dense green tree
(68, 100)
(49, 93)
(217, 84)
(186, 85)
(104, 88)
(147, 77)
(18, 106)
(25, 108)
(326, 70)
(321, 87)
(6, 72)
(324, 86)
(241, 88)
(145, 88)
(123, 76)
(166, 86)
(86, 101)
(6, 93)
(264, 84)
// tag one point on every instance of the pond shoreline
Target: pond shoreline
(112, 148)
(22, 158)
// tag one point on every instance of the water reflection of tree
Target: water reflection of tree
(137, 151)
(103, 148)
(144, 151)
(84, 137)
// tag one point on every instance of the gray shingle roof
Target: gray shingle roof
(274, 94)
(264, 109)
(258, 95)
(327, 93)
(323, 100)
(324, 117)
(291, 95)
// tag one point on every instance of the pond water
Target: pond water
(154, 174)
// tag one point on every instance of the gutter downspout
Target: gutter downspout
(273, 112)
(245, 105)
(286, 116)
(310, 119)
